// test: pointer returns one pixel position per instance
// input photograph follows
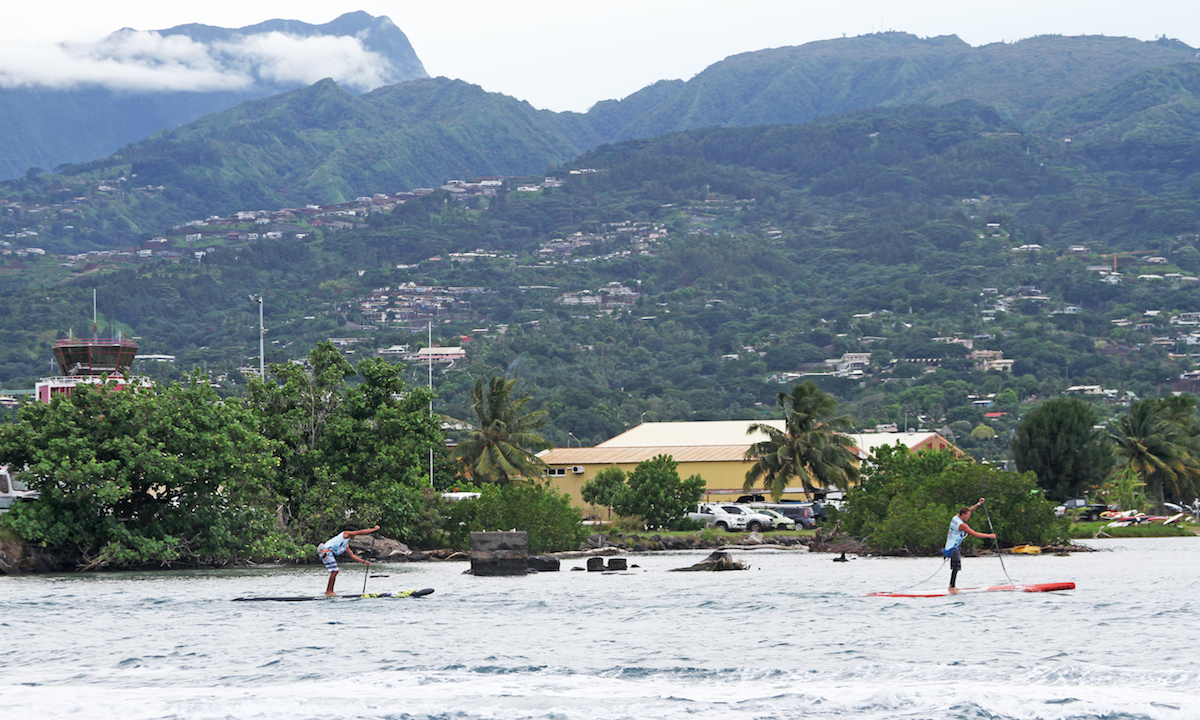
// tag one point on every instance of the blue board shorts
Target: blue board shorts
(328, 558)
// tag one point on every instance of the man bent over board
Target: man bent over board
(337, 545)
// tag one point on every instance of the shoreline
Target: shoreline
(19, 558)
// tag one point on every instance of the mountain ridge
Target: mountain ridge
(46, 127)
(323, 144)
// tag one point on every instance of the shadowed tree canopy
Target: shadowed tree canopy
(158, 475)
(356, 453)
(1059, 443)
(655, 492)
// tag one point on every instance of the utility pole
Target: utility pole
(431, 398)
(262, 374)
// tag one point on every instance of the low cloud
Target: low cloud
(133, 60)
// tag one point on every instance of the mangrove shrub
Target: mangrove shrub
(906, 500)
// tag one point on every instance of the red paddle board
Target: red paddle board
(1036, 587)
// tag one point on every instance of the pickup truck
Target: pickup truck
(731, 518)
(12, 490)
(1086, 510)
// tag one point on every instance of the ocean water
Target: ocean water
(792, 637)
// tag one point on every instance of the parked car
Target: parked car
(731, 518)
(804, 514)
(1087, 510)
(779, 521)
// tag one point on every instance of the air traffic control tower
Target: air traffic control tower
(88, 361)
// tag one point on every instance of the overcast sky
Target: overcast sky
(557, 54)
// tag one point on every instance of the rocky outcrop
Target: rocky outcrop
(716, 562)
(378, 548)
(499, 553)
(19, 557)
(543, 563)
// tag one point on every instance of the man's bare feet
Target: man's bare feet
(954, 591)
(330, 594)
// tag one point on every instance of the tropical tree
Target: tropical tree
(656, 493)
(606, 488)
(350, 453)
(547, 516)
(158, 475)
(502, 443)
(906, 500)
(1156, 440)
(1059, 443)
(812, 447)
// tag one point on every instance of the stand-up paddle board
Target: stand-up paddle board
(366, 596)
(1036, 587)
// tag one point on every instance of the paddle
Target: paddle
(366, 575)
(995, 540)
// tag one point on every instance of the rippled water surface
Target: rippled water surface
(792, 637)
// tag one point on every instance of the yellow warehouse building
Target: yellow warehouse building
(716, 451)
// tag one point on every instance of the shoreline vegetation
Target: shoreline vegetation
(18, 557)
(171, 477)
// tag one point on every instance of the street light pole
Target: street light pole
(262, 375)
(431, 398)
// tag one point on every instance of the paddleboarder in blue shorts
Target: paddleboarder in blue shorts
(337, 545)
(959, 529)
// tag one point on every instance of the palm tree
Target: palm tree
(1155, 440)
(502, 443)
(811, 447)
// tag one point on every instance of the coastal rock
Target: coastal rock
(714, 562)
(378, 548)
(543, 563)
(18, 557)
(499, 553)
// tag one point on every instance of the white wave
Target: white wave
(517, 697)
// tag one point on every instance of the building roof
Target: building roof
(690, 434)
(639, 453)
(868, 442)
(705, 441)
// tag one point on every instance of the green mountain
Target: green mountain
(829, 77)
(46, 126)
(725, 261)
(322, 144)
(688, 275)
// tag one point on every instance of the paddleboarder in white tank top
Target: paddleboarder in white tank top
(959, 529)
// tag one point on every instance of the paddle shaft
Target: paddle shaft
(996, 541)
(367, 574)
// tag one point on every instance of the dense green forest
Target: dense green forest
(777, 248)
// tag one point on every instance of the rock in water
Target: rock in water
(717, 561)
(543, 563)
(499, 553)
